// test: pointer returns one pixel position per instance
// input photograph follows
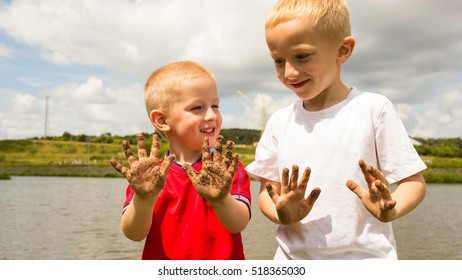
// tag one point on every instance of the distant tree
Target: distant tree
(67, 136)
(81, 138)
(241, 136)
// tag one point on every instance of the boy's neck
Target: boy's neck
(328, 98)
(182, 157)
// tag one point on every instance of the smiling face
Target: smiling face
(194, 116)
(307, 62)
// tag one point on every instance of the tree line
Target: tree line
(438, 147)
(443, 147)
(237, 135)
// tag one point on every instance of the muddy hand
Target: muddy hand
(370, 173)
(214, 181)
(291, 205)
(377, 197)
(146, 175)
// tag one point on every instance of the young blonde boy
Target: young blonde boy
(326, 133)
(194, 203)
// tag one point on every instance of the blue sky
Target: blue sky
(92, 58)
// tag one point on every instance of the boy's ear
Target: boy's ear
(159, 120)
(345, 50)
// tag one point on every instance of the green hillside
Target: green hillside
(73, 158)
(82, 155)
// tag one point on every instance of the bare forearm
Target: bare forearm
(234, 215)
(408, 195)
(267, 207)
(137, 219)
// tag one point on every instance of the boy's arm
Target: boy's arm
(265, 202)
(233, 214)
(409, 193)
(137, 219)
(146, 177)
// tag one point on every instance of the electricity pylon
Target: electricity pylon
(262, 108)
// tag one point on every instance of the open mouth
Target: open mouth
(208, 130)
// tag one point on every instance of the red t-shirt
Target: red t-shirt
(184, 225)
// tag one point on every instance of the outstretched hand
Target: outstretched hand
(215, 179)
(377, 198)
(146, 175)
(291, 205)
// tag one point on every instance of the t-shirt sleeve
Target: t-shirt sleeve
(266, 155)
(129, 193)
(397, 156)
(241, 186)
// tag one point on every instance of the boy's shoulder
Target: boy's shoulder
(367, 98)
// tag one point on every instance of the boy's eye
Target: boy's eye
(196, 108)
(302, 56)
(216, 106)
(278, 61)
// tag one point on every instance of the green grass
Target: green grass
(78, 159)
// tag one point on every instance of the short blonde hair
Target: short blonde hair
(331, 17)
(164, 86)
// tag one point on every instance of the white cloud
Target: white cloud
(138, 36)
(93, 91)
(5, 51)
(407, 51)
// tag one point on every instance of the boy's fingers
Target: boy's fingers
(311, 199)
(285, 181)
(385, 194)
(205, 149)
(364, 168)
(155, 146)
(218, 153)
(305, 178)
(120, 168)
(191, 172)
(228, 156)
(128, 152)
(390, 204)
(354, 188)
(371, 173)
(233, 166)
(384, 190)
(117, 166)
(141, 146)
(378, 175)
(166, 164)
(272, 193)
(293, 178)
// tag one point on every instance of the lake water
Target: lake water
(54, 218)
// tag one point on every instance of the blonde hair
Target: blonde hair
(164, 86)
(330, 17)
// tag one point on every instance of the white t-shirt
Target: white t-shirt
(331, 142)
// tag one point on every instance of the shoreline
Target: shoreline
(432, 175)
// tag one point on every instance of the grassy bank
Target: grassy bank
(78, 159)
(59, 170)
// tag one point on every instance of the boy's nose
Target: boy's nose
(210, 115)
(290, 71)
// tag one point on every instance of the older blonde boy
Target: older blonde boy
(332, 127)
(194, 203)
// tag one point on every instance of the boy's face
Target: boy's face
(305, 60)
(196, 115)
